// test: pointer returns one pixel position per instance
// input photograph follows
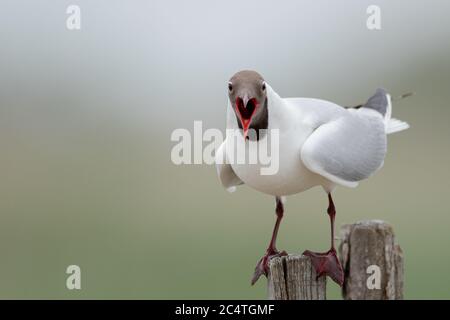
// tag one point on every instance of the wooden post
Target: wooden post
(372, 262)
(293, 277)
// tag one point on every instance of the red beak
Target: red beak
(245, 109)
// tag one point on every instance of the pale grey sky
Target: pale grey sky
(165, 63)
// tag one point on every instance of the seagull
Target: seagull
(320, 143)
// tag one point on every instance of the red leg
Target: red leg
(327, 263)
(263, 264)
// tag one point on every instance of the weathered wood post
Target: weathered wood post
(372, 261)
(293, 277)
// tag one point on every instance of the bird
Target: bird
(320, 143)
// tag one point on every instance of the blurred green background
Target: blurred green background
(85, 123)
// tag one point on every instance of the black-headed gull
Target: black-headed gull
(320, 144)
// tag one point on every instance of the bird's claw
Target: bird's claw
(328, 264)
(262, 267)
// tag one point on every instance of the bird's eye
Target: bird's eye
(263, 86)
(230, 87)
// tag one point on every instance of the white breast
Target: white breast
(290, 178)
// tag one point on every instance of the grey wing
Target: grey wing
(378, 102)
(348, 149)
(227, 177)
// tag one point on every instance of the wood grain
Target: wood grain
(366, 246)
(293, 277)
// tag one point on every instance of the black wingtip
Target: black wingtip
(405, 95)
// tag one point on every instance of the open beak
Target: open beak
(245, 108)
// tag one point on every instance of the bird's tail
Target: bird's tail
(393, 125)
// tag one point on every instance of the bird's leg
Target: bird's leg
(263, 264)
(327, 263)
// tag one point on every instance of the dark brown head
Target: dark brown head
(248, 97)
